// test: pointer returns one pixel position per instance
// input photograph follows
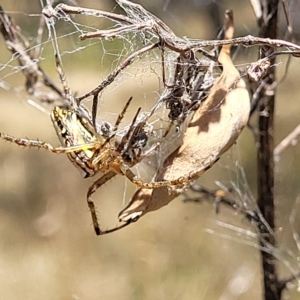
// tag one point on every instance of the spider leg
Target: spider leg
(121, 115)
(163, 65)
(102, 232)
(101, 153)
(180, 181)
(62, 77)
(141, 156)
(39, 144)
(123, 147)
(92, 189)
(67, 92)
(95, 92)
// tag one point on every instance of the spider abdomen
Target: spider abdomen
(75, 130)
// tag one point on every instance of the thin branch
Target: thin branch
(221, 197)
(17, 44)
(265, 161)
(142, 20)
(289, 140)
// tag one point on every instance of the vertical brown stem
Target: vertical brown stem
(265, 197)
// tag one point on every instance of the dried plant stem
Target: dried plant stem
(141, 20)
(289, 140)
(265, 160)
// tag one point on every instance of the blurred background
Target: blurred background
(48, 248)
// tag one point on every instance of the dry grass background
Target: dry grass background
(48, 249)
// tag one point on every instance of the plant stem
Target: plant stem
(265, 161)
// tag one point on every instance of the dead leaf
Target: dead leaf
(213, 129)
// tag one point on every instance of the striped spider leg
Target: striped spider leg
(115, 158)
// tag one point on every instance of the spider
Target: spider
(92, 149)
(189, 85)
(95, 149)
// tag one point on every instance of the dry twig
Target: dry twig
(19, 46)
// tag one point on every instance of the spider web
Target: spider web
(144, 78)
